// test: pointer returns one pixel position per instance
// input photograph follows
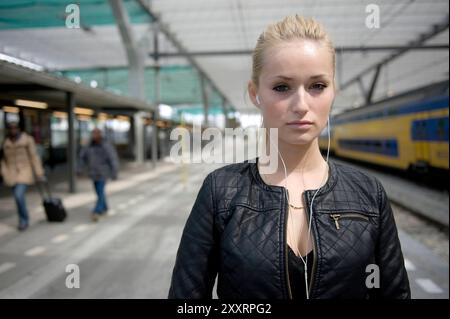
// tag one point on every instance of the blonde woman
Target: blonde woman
(313, 228)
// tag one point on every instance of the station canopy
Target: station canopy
(406, 50)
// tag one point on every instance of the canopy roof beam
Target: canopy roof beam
(340, 50)
(435, 30)
(135, 54)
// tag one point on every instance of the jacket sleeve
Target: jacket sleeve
(113, 159)
(195, 267)
(82, 158)
(394, 283)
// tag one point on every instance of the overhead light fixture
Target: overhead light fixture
(34, 104)
(61, 115)
(102, 116)
(165, 111)
(123, 118)
(83, 111)
(11, 109)
(84, 117)
(26, 64)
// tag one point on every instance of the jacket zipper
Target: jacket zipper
(336, 217)
(286, 260)
(313, 271)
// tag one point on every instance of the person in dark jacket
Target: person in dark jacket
(101, 160)
(310, 229)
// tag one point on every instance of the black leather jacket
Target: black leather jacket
(237, 229)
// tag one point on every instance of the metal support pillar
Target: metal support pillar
(71, 145)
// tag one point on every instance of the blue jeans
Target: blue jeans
(19, 195)
(101, 205)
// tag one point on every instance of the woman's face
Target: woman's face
(296, 90)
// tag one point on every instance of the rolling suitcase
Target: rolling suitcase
(54, 208)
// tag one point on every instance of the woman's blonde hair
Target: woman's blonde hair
(292, 27)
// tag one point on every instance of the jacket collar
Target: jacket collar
(327, 187)
(15, 138)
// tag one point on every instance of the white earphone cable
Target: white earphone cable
(305, 262)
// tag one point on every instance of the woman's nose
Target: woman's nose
(299, 103)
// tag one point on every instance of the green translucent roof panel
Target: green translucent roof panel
(180, 84)
(19, 14)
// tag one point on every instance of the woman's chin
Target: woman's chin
(297, 141)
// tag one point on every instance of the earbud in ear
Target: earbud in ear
(257, 100)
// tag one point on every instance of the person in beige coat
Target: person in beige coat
(20, 164)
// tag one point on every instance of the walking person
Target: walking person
(101, 161)
(311, 228)
(20, 167)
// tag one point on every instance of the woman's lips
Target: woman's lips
(299, 124)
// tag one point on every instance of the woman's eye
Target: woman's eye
(318, 86)
(281, 88)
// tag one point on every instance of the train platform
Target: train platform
(129, 172)
(131, 253)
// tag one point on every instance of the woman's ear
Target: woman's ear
(251, 87)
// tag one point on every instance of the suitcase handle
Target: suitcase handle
(42, 190)
(47, 188)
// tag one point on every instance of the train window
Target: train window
(423, 130)
(441, 129)
(392, 112)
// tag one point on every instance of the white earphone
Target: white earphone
(305, 261)
(257, 100)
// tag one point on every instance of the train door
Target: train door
(421, 139)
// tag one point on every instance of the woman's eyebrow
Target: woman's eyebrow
(319, 76)
(284, 77)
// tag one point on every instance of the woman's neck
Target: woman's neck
(305, 158)
(304, 164)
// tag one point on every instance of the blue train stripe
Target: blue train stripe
(388, 147)
(427, 105)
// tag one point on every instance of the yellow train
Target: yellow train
(407, 132)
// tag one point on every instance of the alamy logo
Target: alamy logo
(73, 16)
(373, 279)
(73, 279)
(373, 17)
(232, 146)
